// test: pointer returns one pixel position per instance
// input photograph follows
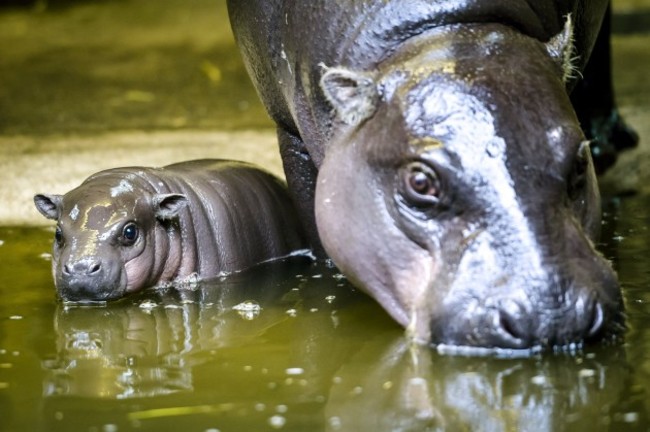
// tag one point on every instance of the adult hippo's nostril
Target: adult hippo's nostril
(595, 319)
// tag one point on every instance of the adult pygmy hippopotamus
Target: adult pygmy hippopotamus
(433, 149)
(125, 229)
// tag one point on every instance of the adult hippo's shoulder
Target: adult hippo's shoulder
(125, 229)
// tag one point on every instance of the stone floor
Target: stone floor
(87, 85)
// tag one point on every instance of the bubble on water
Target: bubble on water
(313, 310)
(260, 406)
(15, 317)
(58, 415)
(148, 305)
(282, 409)
(277, 421)
(212, 430)
(292, 312)
(3, 351)
(317, 276)
(330, 298)
(335, 422)
(294, 371)
(631, 417)
(109, 427)
(2, 242)
(45, 256)
(248, 368)
(339, 276)
(539, 380)
(357, 390)
(387, 385)
(618, 238)
(6, 365)
(248, 309)
(4, 385)
(587, 373)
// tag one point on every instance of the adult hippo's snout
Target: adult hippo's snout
(467, 203)
(571, 297)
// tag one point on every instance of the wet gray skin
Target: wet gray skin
(125, 229)
(486, 195)
(452, 180)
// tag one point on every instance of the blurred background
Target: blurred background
(92, 84)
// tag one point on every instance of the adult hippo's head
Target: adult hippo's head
(109, 240)
(459, 192)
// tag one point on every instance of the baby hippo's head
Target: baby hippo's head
(110, 239)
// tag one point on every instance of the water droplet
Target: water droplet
(248, 309)
(294, 371)
(292, 312)
(277, 421)
(387, 385)
(631, 417)
(281, 409)
(539, 380)
(495, 147)
(313, 310)
(58, 415)
(339, 276)
(45, 256)
(15, 317)
(587, 373)
(317, 276)
(335, 422)
(110, 427)
(148, 304)
(330, 298)
(260, 406)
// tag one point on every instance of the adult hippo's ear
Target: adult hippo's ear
(560, 47)
(167, 206)
(49, 205)
(353, 95)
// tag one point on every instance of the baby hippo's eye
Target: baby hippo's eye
(130, 234)
(420, 184)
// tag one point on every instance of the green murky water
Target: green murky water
(302, 352)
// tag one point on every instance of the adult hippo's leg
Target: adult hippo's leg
(593, 100)
(301, 174)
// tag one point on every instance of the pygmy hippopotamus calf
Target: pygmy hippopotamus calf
(125, 229)
(435, 154)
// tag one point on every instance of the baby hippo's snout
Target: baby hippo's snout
(87, 279)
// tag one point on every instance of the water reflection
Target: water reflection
(293, 346)
(412, 389)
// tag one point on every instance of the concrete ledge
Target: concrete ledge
(30, 165)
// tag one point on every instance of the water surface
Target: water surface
(292, 346)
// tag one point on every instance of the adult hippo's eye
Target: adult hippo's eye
(421, 186)
(130, 234)
(58, 236)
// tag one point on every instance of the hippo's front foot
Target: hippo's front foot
(609, 136)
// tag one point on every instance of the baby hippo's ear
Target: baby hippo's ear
(49, 205)
(168, 206)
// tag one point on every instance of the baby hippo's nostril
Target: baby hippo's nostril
(66, 270)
